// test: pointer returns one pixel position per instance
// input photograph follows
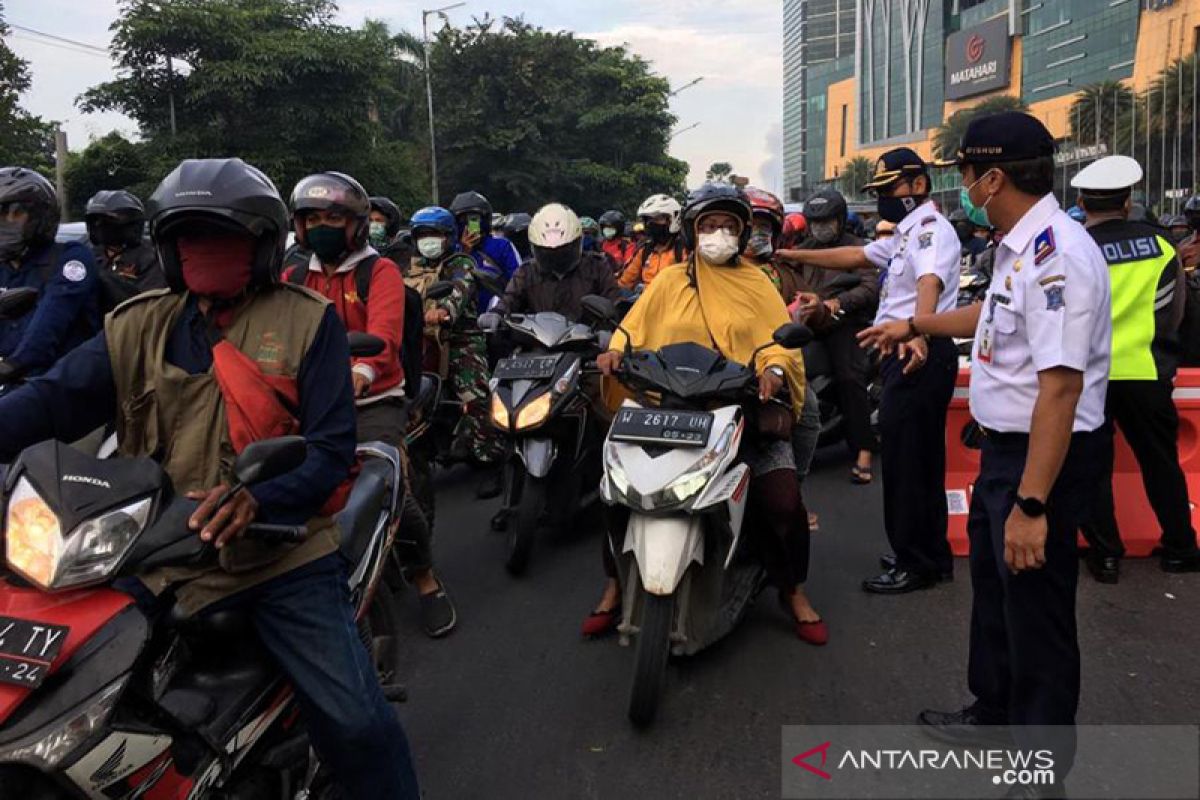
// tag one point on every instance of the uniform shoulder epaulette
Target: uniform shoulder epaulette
(928, 220)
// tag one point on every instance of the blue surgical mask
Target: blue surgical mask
(977, 214)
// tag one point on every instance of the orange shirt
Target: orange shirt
(655, 262)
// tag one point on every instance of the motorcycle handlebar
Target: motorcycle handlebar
(276, 534)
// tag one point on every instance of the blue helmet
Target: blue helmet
(434, 218)
(1076, 213)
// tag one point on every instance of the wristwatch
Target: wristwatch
(1031, 506)
(913, 333)
(777, 371)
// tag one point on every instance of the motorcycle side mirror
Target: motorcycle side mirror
(439, 290)
(15, 303)
(364, 345)
(489, 282)
(600, 307)
(489, 322)
(270, 458)
(792, 336)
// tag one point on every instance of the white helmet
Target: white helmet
(657, 204)
(554, 225)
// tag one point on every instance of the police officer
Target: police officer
(921, 266)
(1038, 377)
(1148, 297)
(125, 261)
(64, 275)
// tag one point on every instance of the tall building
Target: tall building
(815, 32)
(914, 63)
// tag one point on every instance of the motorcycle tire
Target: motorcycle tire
(650, 658)
(524, 522)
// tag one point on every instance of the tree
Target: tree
(25, 140)
(529, 116)
(720, 171)
(949, 134)
(855, 174)
(275, 82)
(111, 162)
(1102, 112)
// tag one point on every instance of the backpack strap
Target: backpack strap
(296, 274)
(363, 271)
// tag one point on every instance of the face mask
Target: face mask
(558, 259)
(658, 232)
(824, 231)
(12, 240)
(328, 243)
(895, 209)
(718, 247)
(431, 247)
(377, 234)
(609, 233)
(977, 214)
(216, 265)
(760, 245)
(116, 234)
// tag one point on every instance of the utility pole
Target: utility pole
(687, 85)
(429, 95)
(60, 170)
(171, 93)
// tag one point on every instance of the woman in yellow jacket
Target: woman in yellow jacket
(717, 298)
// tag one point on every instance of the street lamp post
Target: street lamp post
(687, 85)
(429, 94)
(683, 130)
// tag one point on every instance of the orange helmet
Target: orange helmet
(794, 226)
(764, 204)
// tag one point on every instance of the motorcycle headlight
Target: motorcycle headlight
(36, 549)
(692, 482)
(68, 733)
(499, 412)
(534, 413)
(616, 473)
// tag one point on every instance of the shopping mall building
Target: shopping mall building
(862, 76)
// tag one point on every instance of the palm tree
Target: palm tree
(1103, 112)
(949, 134)
(855, 173)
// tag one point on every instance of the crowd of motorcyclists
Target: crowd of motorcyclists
(128, 333)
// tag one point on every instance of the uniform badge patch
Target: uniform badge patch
(1043, 246)
(74, 271)
(1054, 298)
(925, 240)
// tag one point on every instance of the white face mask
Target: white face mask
(718, 247)
(431, 247)
(609, 233)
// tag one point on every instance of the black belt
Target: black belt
(1022, 439)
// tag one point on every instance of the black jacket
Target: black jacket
(533, 289)
(859, 303)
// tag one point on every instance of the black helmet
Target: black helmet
(1191, 210)
(472, 203)
(37, 196)
(333, 191)
(613, 219)
(225, 191)
(517, 222)
(716, 197)
(825, 205)
(390, 210)
(115, 218)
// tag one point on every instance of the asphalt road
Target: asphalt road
(514, 704)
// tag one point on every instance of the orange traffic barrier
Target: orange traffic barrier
(1139, 527)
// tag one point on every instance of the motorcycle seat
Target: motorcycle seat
(361, 514)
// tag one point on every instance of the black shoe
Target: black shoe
(491, 485)
(1186, 563)
(438, 616)
(965, 727)
(500, 521)
(1105, 569)
(896, 581)
(888, 562)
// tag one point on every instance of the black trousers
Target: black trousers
(912, 428)
(851, 365)
(1024, 651)
(1146, 415)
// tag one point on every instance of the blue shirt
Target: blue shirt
(502, 254)
(79, 395)
(67, 311)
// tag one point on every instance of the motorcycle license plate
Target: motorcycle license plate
(27, 649)
(526, 368)
(655, 426)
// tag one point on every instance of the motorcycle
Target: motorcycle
(538, 401)
(672, 458)
(98, 699)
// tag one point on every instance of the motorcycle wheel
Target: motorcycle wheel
(524, 522)
(650, 658)
(378, 631)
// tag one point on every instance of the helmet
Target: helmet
(497, 220)
(37, 196)
(124, 213)
(1192, 206)
(716, 197)
(556, 235)
(766, 205)
(390, 210)
(434, 218)
(854, 224)
(1076, 213)
(794, 226)
(332, 191)
(588, 224)
(657, 204)
(517, 222)
(473, 203)
(826, 204)
(225, 191)
(613, 219)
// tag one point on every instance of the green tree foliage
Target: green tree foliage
(529, 116)
(1102, 113)
(719, 171)
(855, 173)
(110, 162)
(949, 134)
(25, 140)
(275, 82)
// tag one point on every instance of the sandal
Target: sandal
(601, 623)
(860, 475)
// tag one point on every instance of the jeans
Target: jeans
(806, 433)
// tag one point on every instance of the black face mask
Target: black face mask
(12, 240)
(894, 209)
(559, 260)
(117, 234)
(658, 233)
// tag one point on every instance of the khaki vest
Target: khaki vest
(179, 420)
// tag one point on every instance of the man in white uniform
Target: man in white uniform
(1038, 379)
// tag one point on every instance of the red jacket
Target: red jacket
(620, 250)
(383, 316)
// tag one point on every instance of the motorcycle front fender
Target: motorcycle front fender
(664, 548)
(538, 456)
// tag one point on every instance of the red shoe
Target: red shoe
(601, 623)
(815, 633)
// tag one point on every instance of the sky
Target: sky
(734, 45)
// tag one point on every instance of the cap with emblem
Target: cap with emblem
(902, 162)
(1108, 176)
(1005, 136)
